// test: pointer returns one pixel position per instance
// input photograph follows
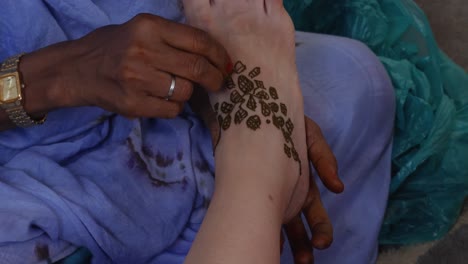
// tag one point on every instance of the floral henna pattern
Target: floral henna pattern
(250, 102)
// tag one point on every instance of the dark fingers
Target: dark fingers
(198, 42)
(192, 67)
(318, 220)
(322, 157)
(299, 241)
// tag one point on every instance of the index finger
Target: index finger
(199, 42)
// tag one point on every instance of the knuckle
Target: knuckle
(142, 18)
(143, 24)
(198, 67)
(125, 73)
(200, 41)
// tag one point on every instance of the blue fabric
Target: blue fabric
(127, 190)
(137, 191)
(430, 172)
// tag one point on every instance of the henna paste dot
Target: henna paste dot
(273, 93)
(230, 83)
(259, 84)
(289, 126)
(236, 97)
(274, 107)
(226, 108)
(278, 121)
(284, 109)
(254, 122)
(266, 111)
(245, 85)
(239, 67)
(226, 123)
(262, 95)
(241, 114)
(287, 151)
(255, 72)
(252, 104)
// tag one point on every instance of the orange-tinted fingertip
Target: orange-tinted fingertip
(339, 186)
(229, 67)
(321, 243)
(304, 257)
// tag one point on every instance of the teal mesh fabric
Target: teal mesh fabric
(430, 154)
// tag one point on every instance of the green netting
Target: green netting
(430, 154)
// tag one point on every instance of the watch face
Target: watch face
(9, 88)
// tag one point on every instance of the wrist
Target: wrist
(42, 73)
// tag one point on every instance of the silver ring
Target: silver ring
(171, 89)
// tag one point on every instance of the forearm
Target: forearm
(41, 75)
(253, 176)
(244, 218)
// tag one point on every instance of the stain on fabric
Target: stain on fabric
(163, 161)
(160, 174)
(147, 151)
(42, 252)
(180, 155)
(202, 166)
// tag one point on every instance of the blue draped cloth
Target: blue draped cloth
(136, 191)
(82, 156)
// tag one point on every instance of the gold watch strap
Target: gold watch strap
(11, 64)
(15, 111)
(21, 119)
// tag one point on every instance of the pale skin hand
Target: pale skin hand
(325, 165)
(252, 197)
(125, 69)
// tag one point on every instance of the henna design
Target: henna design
(260, 84)
(274, 107)
(247, 97)
(273, 93)
(230, 83)
(255, 72)
(239, 67)
(240, 116)
(284, 110)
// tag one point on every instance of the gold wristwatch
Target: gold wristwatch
(11, 94)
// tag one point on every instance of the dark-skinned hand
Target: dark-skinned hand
(315, 215)
(127, 69)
